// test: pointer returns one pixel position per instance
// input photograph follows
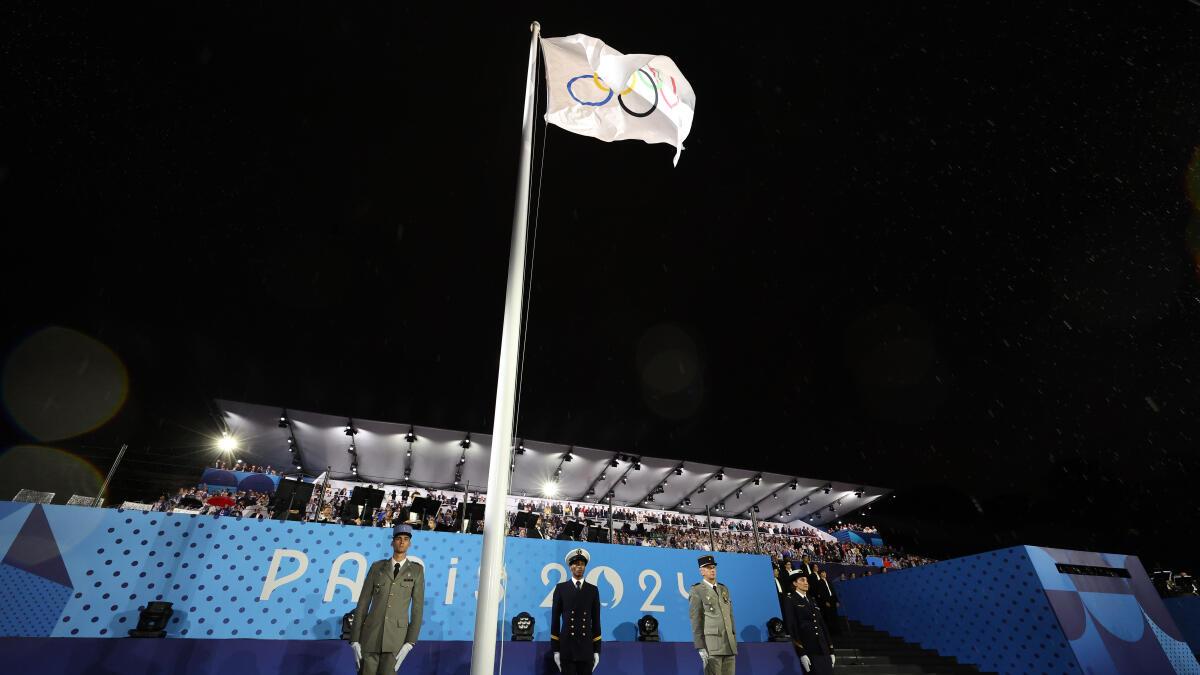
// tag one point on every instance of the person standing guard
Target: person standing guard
(575, 619)
(711, 612)
(387, 618)
(807, 628)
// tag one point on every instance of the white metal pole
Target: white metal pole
(487, 606)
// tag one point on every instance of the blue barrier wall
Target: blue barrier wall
(1186, 613)
(1113, 624)
(217, 479)
(1012, 611)
(79, 572)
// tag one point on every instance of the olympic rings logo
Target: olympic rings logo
(652, 79)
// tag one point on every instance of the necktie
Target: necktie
(396, 571)
(578, 586)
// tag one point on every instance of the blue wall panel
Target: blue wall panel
(244, 578)
(986, 609)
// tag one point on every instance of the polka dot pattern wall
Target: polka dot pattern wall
(988, 610)
(83, 572)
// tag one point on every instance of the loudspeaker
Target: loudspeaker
(292, 497)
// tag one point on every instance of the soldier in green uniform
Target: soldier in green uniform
(711, 612)
(387, 619)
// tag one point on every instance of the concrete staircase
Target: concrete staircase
(866, 651)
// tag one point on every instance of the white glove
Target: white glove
(704, 657)
(402, 654)
(357, 649)
(832, 660)
(806, 663)
(558, 661)
(595, 660)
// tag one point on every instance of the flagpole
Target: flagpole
(491, 565)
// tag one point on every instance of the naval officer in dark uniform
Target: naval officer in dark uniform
(575, 619)
(807, 628)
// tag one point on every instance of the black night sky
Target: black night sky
(948, 251)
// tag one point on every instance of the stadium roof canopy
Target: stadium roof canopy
(438, 458)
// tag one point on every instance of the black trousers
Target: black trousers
(577, 667)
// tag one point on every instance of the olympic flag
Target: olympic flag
(594, 90)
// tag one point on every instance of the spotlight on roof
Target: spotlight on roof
(758, 480)
(603, 475)
(550, 488)
(637, 465)
(679, 471)
(774, 495)
(858, 493)
(787, 512)
(701, 490)
(567, 457)
(755, 508)
(466, 442)
(350, 430)
(687, 502)
(591, 492)
(720, 475)
(411, 436)
(615, 462)
(521, 446)
(298, 467)
(624, 480)
(738, 494)
(283, 421)
(227, 443)
(793, 485)
(827, 488)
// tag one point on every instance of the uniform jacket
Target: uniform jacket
(711, 613)
(389, 612)
(806, 626)
(575, 621)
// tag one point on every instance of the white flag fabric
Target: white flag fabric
(594, 90)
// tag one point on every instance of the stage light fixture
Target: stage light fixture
(758, 480)
(827, 488)
(591, 492)
(603, 476)
(350, 430)
(720, 475)
(283, 421)
(152, 620)
(687, 502)
(409, 453)
(298, 467)
(678, 471)
(775, 631)
(227, 443)
(787, 513)
(738, 494)
(466, 442)
(858, 493)
(793, 485)
(550, 488)
(411, 436)
(624, 480)
(614, 463)
(647, 629)
(521, 447)
(701, 490)
(774, 495)
(522, 627)
(755, 508)
(637, 465)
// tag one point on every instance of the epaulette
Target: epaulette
(697, 584)
(417, 560)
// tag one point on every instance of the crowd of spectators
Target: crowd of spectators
(854, 527)
(548, 520)
(239, 465)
